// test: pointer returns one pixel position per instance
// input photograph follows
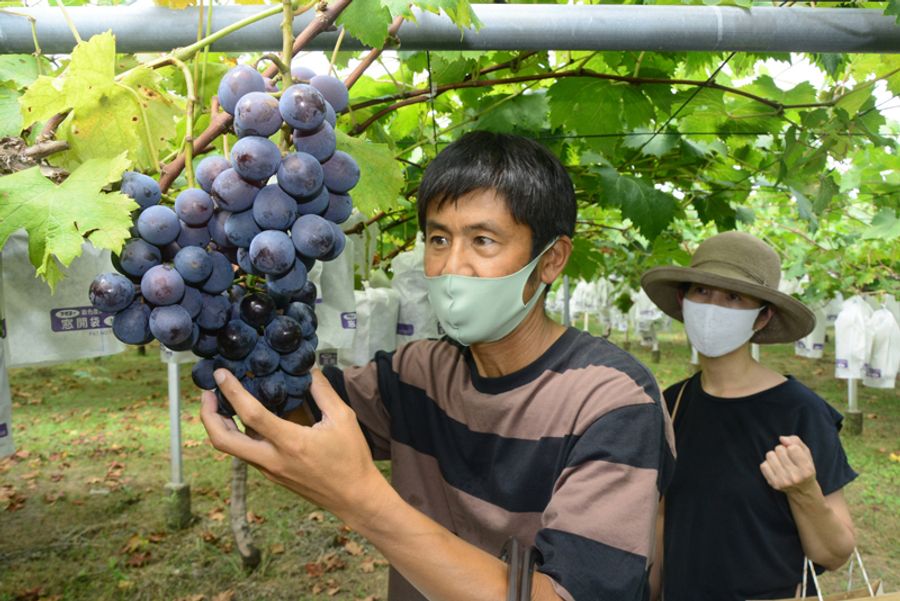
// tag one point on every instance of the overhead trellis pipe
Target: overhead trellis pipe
(505, 27)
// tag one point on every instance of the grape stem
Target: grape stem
(37, 46)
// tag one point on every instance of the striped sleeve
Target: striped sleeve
(361, 387)
(597, 532)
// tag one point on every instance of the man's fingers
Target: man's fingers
(225, 436)
(252, 413)
(329, 401)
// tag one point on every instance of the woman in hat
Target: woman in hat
(760, 468)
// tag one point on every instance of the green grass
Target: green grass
(82, 505)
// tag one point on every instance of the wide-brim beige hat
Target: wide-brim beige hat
(741, 263)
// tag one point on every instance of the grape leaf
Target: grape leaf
(58, 218)
(381, 176)
(10, 119)
(651, 210)
(885, 226)
(366, 23)
(459, 11)
(135, 114)
(22, 69)
(585, 105)
(893, 8)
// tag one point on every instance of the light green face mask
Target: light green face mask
(472, 309)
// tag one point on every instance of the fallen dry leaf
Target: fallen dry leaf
(216, 514)
(224, 596)
(255, 519)
(353, 548)
(138, 560)
(276, 549)
(316, 516)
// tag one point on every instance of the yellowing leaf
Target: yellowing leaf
(59, 218)
(176, 4)
(106, 117)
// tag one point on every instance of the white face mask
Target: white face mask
(715, 331)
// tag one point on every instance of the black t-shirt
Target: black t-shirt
(728, 534)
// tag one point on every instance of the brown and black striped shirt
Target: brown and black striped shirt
(570, 454)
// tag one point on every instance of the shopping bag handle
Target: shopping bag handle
(809, 568)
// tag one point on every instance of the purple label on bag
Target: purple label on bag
(2, 328)
(327, 358)
(405, 329)
(873, 372)
(348, 320)
(843, 363)
(318, 301)
(800, 345)
(75, 319)
(818, 346)
(4, 430)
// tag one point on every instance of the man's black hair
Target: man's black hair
(528, 177)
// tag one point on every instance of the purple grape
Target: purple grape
(138, 256)
(213, 312)
(255, 158)
(209, 169)
(207, 345)
(316, 205)
(237, 367)
(302, 107)
(256, 114)
(299, 361)
(308, 295)
(189, 342)
(241, 228)
(142, 188)
(158, 225)
(297, 386)
(333, 89)
(340, 240)
(300, 175)
(257, 309)
(330, 116)
(162, 285)
(202, 374)
(321, 143)
(341, 172)
(271, 252)
(304, 315)
(273, 391)
(239, 81)
(283, 334)
(290, 283)
(302, 73)
(194, 264)
(193, 236)
(274, 209)
(232, 192)
(237, 339)
(132, 325)
(192, 301)
(340, 206)
(262, 360)
(216, 228)
(313, 236)
(171, 325)
(222, 275)
(243, 261)
(194, 207)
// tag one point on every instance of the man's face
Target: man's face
(475, 236)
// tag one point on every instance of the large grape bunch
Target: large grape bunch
(223, 272)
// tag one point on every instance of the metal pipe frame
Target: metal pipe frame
(505, 27)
